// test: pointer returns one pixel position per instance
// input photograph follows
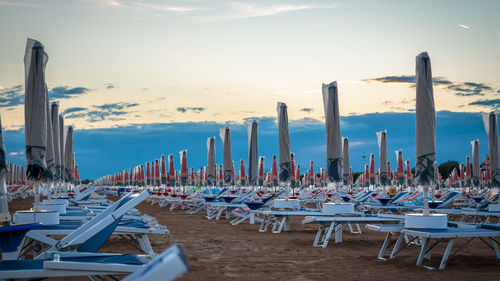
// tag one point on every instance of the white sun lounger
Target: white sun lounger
(328, 224)
(426, 236)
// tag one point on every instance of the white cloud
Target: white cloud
(241, 10)
(464, 26)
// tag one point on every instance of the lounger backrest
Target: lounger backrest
(449, 199)
(269, 199)
(222, 191)
(84, 195)
(90, 236)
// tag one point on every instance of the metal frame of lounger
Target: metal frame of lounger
(250, 214)
(425, 236)
(167, 266)
(216, 209)
(328, 224)
(196, 208)
(108, 219)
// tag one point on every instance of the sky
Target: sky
(154, 77)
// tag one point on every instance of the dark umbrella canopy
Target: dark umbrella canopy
(425, 122)
(476, 168)
(284, 143)
(333, 133)
(382, 146)
(346, 159)
(49, 157)
(491, 126)
(68, 154)
(35, 109)
(4, 171)
(227, 158)
(253, 152)
(54, 116)
(62, 141)
(211, 161)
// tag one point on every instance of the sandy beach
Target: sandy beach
(220, 251)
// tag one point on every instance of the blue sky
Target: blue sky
(134, 73)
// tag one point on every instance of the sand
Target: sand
(220, 251)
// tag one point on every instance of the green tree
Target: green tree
(446, 168)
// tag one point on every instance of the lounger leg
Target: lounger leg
(145, 244)
(387, 241)
(446, 254)
(263, 224)
(328, 234)
(338, 233)
(494, 245)
(397, 245)
(282, 223)
(318, 235)
(252, 217)
(423, 250)
(287, 223)
(350, 228)
(240, 219)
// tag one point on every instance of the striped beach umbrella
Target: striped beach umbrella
(274, 172)
(297, 177)
(292, 171)
(221, 176)
(311, 173)
(372, 169)
(171, 170)
(346, 161)
(163, 173)
(184, 169)
(400, 169)
(409, 177)
(261, 171)
(243, 177)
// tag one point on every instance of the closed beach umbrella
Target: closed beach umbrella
(311, 173)
(4, 172)
(62, 142)
(49, 155)
(54, 116)
(297, 176)
(68, 154)
(253, 152)
(346, 158)
(409, 177)
(382, 148)
(491, 126)
(163, 171)
(333, 133)
(171, 170)
(292, 171)
(400, 169)
(261, 171)
(243, 177)
(211, 161)
(274, 172)
(184, 169)
(227, 158)
(372, 169)
(284, 144)
(476, 169)
(35, 110)
(425, 125)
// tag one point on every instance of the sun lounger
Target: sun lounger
(427, 236)
(328, 224)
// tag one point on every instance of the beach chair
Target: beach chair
(330, 223)
(88, 237)
(169, 265)
(429, 238)
(207, 199)
(230, 203)
(253, 207)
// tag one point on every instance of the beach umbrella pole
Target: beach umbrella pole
(36, 205)
(5, 217)
(426, 201)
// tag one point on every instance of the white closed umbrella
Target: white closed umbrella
(54, 116)
(425, 126)
(333, 136)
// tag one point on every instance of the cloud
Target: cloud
(462, 89)
(464, 26)
(12, 96)
(110, 86)
(307, 109)
(241, 10)
(64, 92)
(142, 6)
(493, 103)
(6, 3)
(192, 109)
(73, 109)
(97, 113)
